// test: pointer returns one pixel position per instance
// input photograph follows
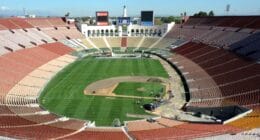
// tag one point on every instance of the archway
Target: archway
(137, 32)
(93, 33)
(98, 32)
(146, 32)
(151, 32)
(102, 32)
(107, 32)
(132, 32)
(89, 33)
(111, 32)
(142, 31)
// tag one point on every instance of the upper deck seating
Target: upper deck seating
(226, 21)
(21, 23)
(8, 24)
(236, 78)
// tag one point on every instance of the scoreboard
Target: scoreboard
(102, 18)
(124, 21)
(147, 18)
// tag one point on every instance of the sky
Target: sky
(115, 7)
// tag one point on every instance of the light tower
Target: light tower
(228, 8)
(125, 12)
(24, 12)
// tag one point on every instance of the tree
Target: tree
(201, 14)
(171, 19)
(211, 13)
(185, 14)
(204, 14)
(67, 14)
(168, 19)
(91, 22)
(116, 122)
(164, 19)
(157, 21)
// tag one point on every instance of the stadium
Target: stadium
(130, 77)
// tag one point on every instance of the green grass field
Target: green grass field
(139, 89)
(64, 93)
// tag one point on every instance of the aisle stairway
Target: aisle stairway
(124, 42)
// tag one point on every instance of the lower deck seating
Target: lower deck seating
(73, 32)
(17, 38)
(133, 41)
(3, 27)
(40, 35)
(54, 33)
(13, 121)
(114, 42)
(148, 41)
(145, 125)
(92, 134)
(245, 135)
(8, 45)
(57, 48)
(25, 90)
(99, 42)
(62, 33)
(68, 32)
(86, 43)
(184, 131)
(21, 109)
(3, 50)
(34, 38)
(70, 124)
(35, 132)
(24, 73)
(15, 66)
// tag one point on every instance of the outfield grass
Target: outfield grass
(139, 89)
(64, 93)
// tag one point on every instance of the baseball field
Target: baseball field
(64, 94)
